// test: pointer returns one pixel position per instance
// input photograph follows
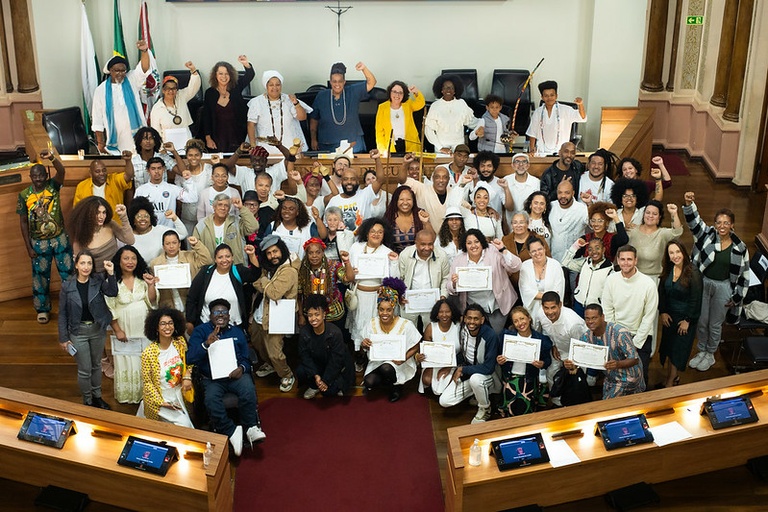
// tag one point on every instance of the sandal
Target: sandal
(42, 317)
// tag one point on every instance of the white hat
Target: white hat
(452, 212)
(270, 74)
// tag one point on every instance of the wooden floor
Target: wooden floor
(30, 360)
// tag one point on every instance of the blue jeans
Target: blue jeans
(247, 402)
(89, 342)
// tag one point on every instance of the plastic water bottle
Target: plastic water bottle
(207, 454)
(542, 376)
(475, 453)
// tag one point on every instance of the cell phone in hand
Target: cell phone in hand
(71, 349)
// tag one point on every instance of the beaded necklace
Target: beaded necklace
(272, 117)
(333, 112)
(541, 123)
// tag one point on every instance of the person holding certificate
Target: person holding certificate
(164, 372)
(444, 330)
(326, 364)
(424, 271)
(522, 391)
(391, 342)
(136, 296)
(538, 275)
(221, 347)
(370, 261)
(176, 261)
(624, 371)
(480, 275)
(147, 235)
(476, 373)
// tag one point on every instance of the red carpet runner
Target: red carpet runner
(338, 455)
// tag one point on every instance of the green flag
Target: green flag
(118, 46)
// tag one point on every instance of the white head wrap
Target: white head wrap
(268, 75)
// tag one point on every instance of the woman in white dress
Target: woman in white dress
(451, 231)
(538, 275)
(480, 215)
(444, 327)
(136, 296)
(274, 114)
(374, 238)
(165, 375)
(390, 374)
(632, 195)
(294, 226)
(172, 112)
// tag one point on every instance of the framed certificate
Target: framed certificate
(588, 355)
(372, 266)
(474, 279)
(132, 347)
(421, 301)
(520, 349)
(438, 355)
(173, 276)
(387, 347)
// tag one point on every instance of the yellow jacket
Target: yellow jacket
(384, 124)
(150, 375)
(113, 190)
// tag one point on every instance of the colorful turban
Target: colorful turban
(392, 290)
(314, 240)
(259, 151)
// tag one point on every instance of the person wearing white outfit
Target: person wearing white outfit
(539, 275)
(163, 195)
(172, 112)
(447, 116)
(551, 122)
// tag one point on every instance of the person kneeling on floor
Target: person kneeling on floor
(239, 381)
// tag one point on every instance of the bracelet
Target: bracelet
(296, 104)
(186, 378)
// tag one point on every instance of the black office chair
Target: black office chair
(507, 84)
(308, 97)
(575, 136)
(66, 130)
(755, 344)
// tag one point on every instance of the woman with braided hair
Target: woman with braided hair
(390, 374)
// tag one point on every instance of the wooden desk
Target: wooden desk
(486, 488)
(88, 464)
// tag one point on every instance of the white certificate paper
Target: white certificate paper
(438, 355)
(178, 136)
(132, 347)
(222, 358)
(372, 266)
(387, 347)
(293, 243)
(588, 355)
(282, 316)
(523, 350)
(474, 279)
(173, 276)
(421, 301)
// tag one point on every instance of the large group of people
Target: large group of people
(574, 254)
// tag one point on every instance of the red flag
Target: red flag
(151, 90)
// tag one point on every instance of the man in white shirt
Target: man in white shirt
(487, 164)
(353, 201)
(523, 184)
(595, 185)
(458, 166)
(245, 177)
(163, 195)
(422, 268)
(630, 298)
(561, 324)
(551, 122)
(568, 220)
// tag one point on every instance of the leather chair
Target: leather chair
(367, 115)
(247, 95)
(507, 84)
(66, 130)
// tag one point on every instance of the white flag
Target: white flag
(89, 66)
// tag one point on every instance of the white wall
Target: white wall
(593, 48)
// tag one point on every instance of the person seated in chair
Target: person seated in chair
(239, 380)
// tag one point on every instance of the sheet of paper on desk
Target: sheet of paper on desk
(669, 433)
(560, 454)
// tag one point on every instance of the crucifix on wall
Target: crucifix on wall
(338, 11)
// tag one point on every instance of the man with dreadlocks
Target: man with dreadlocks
(279, 280)
(596, 184)
(390, 374)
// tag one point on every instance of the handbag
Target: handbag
(350, 298)
(571, 388)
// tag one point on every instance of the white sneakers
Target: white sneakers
(286, 383)
(236, 440)
(311, 393)
(483, 415)
(255, 434)
(702, 361)
(264, 370)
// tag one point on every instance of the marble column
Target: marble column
(654, 53)
(4, 49)
(724, 53)
(24, 51)
(739, 60)
(675, 43)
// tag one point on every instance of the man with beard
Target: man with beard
(523, 184)
(340, 164)
(596, 184)
(430, 196)
(353, 201)
(108, 186)
(568, 220)
(279, 280)
(245, 177)
(565, 168)
(239, 381)
(486, 164)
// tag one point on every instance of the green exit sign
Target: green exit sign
(694, 20)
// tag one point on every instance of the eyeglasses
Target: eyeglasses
(220, 312)
(166, 324)
(376, 232)
(170, 88)
(628, 196)
(520, 162)
(399, 93)
(598, 221)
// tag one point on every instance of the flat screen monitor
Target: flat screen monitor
(45, 429)
(730, 412)
(623, 432)
(517, 452)
(148, 456)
